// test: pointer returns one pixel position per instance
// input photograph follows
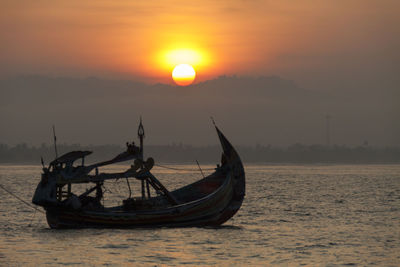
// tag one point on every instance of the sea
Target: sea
(292, 215)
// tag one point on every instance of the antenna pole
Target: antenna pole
(55, 140)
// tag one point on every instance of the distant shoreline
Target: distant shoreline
(187, 154)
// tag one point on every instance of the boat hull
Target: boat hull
(210, 209)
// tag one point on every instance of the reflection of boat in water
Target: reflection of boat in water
(210, 201)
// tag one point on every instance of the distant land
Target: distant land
(249, 110)
(180, 153)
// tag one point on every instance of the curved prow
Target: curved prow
(232, 160)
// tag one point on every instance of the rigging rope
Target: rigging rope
(20, 199)
(179, 169)
(35, 208)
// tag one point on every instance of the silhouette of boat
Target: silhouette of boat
(210, 201)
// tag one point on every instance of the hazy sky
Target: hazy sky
(346, 50)
(309, 41)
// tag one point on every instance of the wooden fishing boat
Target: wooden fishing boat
(210, 201)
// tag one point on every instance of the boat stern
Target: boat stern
(45, 193)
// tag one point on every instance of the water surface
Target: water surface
(326, 215)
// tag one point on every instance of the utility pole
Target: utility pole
(328, 136)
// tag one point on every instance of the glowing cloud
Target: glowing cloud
(169, 59)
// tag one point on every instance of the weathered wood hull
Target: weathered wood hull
(215, 200)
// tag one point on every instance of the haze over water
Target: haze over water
(326, 215)
(269, 72)
(317, 77)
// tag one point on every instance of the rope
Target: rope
(179, 169)
(20, 199)
(33, 216)
(35, 208)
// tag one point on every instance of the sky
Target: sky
(297, 39)
(348, 49)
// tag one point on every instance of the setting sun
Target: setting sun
(183, 74)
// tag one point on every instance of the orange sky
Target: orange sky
(130, 38)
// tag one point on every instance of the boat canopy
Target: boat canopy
(70, 157)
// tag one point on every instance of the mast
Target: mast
(55, 140)
(141, 137)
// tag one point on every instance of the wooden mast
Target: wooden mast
(141, 137)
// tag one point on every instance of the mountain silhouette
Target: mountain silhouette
(264, 110)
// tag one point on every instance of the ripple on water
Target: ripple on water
(292, 215)
(160, 258)
(114, 246)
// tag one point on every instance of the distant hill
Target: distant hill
(250, 110)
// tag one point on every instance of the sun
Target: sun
(183, 74)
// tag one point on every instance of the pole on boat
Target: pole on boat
(200, 168)
(143, 192)
(160, 188)
(42, 161)
(59, 192)
(148, 188)
(69, 190)
(55, 140)
(141, 136)
(129, 187)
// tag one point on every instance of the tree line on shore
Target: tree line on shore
(180, 153)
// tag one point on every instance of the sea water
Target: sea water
(314, 215)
